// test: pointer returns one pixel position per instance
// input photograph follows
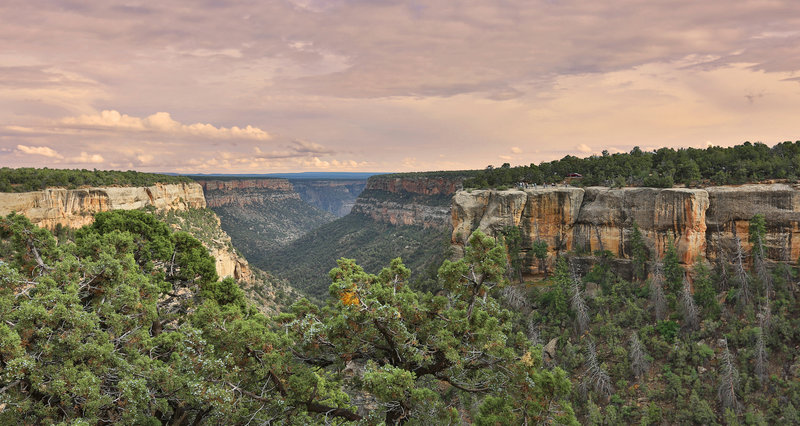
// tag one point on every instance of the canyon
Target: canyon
(702, 222)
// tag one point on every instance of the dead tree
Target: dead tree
(728, 380)
(596, 376)
(534, 335)
(744, 295)
(580, 309)
(689, 308)
(638, 356)
(760, 356)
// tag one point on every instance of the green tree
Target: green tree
(639, 253)
(512, 237)
(539, 249)
(413, 344)
(757, 233)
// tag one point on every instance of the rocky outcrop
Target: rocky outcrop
(578, 220)
(77, 207)
(420, 201)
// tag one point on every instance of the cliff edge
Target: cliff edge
(76, 207)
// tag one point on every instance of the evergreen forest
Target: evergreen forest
(126, 322)
(26, 179)
(663, 168)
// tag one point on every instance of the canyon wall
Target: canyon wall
(582, 220)
(76, 207)
(421, 201)
(242, 192)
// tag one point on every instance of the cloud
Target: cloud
(160, 122)
(39, 150)
(306, 147)
(516, 150)
(85, 158)
(583, 148)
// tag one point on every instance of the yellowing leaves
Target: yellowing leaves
(349, 296)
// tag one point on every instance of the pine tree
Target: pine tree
(657, 299)
(639, 253)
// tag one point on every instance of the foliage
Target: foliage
(100, 330)
(663, 168)
(306, 261)
(26, 179)
(639, 253)
(512, 239)
(539, 250)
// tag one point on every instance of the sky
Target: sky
(210, 86)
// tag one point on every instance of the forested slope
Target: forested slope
(715, 344)
(126, 322)
(306, 261)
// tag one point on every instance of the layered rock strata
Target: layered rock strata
(419, 201)
(701, 222)
(76, 207)
(242, 192)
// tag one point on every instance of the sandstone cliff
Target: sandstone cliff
(76, 207)
(422, 201)
(582, 220)
(243, 192)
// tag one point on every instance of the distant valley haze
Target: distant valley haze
(321, 86)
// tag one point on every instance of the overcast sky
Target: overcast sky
(335, 85)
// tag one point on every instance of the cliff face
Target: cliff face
(76, 207)
(243, 192)
(227, 185)
(701, 221)
(415, 185)
(422, 201)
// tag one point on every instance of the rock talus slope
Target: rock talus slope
(701, 222)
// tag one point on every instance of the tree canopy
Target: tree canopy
(128, 323)
(26, 179)
(665, 167)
